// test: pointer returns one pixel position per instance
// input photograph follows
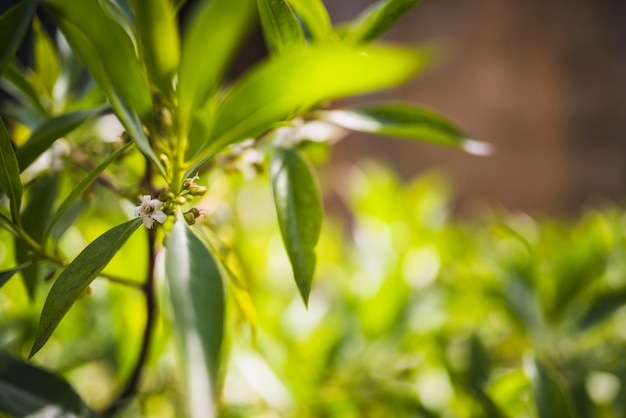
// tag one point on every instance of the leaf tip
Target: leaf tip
(479, 148)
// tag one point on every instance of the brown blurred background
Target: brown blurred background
(543, 81)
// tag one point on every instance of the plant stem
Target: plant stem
(149, 291)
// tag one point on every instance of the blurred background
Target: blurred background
(544, 82)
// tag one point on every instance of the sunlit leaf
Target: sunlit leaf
(83, 185)
(49, 131)
(217, 29)
(280, 26)
(315, 16)
(196, 293)
(47, 61)
(158, 35)
(282, 86)
(36, 217)
(551, 397)
(105, 48)
(10, 181)
(77, 276)
(299, 210)
(377, 19)
(30, 391)
(407, 121)
(13, 25)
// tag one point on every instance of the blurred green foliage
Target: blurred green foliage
(415, 312)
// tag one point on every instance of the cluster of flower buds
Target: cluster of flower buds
(191, 215)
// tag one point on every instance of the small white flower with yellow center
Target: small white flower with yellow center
(150, 210)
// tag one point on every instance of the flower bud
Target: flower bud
(189, 218)
(196, 190)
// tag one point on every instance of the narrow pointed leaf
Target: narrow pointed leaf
(197, 299)
(406, 121)
(280, 26)
(77, 276)
(315, 16)
(6, 275)
(299, 209)
(216, 31)
(601, 308)
(278, 88)
(30, 391)
(105, 48)
(377, 19)
(551, 397)
(36, 217)
(15, 82)
(49, 131)
(10, 181)
(83, 185)
(47, 61)
(158, 35)
(13, 25)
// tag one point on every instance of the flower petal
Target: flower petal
(148, 222)
(159, 216)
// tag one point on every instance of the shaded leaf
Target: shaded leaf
(15, 82)
(551, 397)
(315, 16)
(158, 36)
(197, 299)
(218, 26)
(6, 275)
(407, 121)
(35, 218)
(28, 390)
(13, 25)
(10, 181)
(299, 210)
(601, 308)
(377, 19)
(292, 82)
(83, 185)
(280, 26)
(49, 131)
(77, 276)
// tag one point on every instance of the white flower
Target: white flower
(150, 211)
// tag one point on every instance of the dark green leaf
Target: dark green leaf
(315, 16)
(158, 35)
(10, 181)
(280, 26)
(106, 49)
(299, 210)
(377, 19)
(67, 219)
(282, 86)
(77, 276)
(6, 275)
(407, 121)
(197, 299)
(217, 29)
(15, 82)
(35, 218)
(30, 391)
(13, 25)
(601, 308)
(551, 397)
(83, 185)
(49, 131)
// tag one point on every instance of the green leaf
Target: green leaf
(197, 299)
(77, 276)
(551, 398)
(601, 308)
(10, 181)
(299, 210)
(315, 16)
(106, 49)
(377, 19)
(13, 25)
(214, 34)
(47, 61)
(49, 131)
(282, 86)
(83, 185)
(407, 121)
(30, 391)
(6, 275)
(15, 82)
(158, 36)
(35, 218)
(280, 26)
